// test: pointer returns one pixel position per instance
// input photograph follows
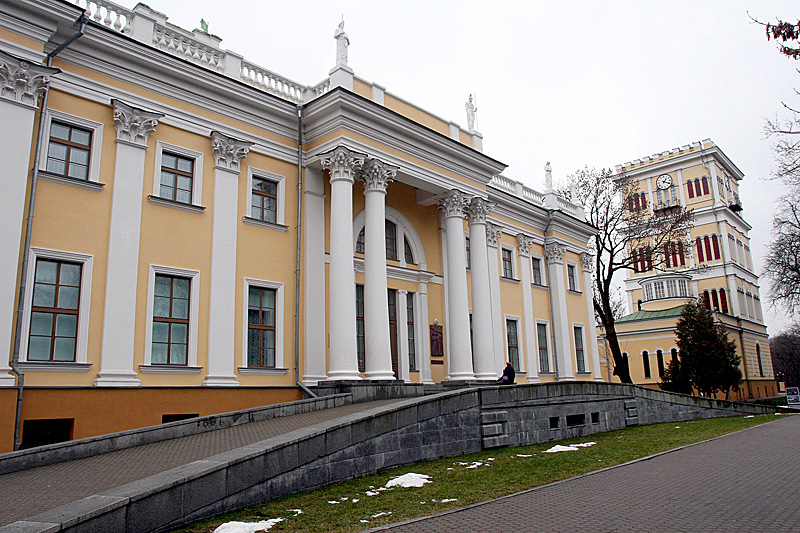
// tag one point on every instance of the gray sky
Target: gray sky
(574, 83)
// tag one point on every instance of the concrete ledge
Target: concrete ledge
(80, 448)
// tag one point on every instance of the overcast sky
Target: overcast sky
(574, 83)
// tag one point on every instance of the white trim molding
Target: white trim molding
(96, 147)
(279, 324)
(521, 348)
(197, 175)
(280, 208)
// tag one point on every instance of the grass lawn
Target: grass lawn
(502, 471)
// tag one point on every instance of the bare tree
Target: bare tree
(785, 348)
(632, 234)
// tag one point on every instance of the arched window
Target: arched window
(391, 240)
(674, 353)
(707, 243)
(760, 365)
(705, 185)
(680, 254)
(646, 363)
(723, 300)
(635, 260)
(630, 204)
(636, 201)
(648, 254)
(706, 300)
(715, 243)
(660, 361)
(714, 300)
(690, 189)
(407, 251)
(699, 243)
(360, 242)
(667, 255)
(697, 188)
(644, 201)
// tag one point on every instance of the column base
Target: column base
(565, 378)
(380, 376)
(487, 376)
(343, 375)
(313, 380)
(220, 381)
(116, 378)
(7, 379)
(461, 377)
(599, 379)
(533, 379)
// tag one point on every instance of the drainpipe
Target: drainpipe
(550, 294)
(27, 246)
(297, 259)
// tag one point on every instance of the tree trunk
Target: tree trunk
(621, 368)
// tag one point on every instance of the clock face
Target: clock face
(664, 181)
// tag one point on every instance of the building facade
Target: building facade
(208, 235)
(713, 263)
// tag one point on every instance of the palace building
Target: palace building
(714, 264)
(187, 232)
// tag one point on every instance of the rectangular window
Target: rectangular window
(264, 202)
(412, 341)
(672, 288)
(391, 240)
(544, 357)
(648, 292)
(508, 263)
(659, 289)
(646, 363)
(68, 151)
(54, 313)
(469, 259)
(660, 361)
(512, 339)
(177, 175)
(360, 346)
(683, 287)
(261, 306)
(537, 270)
(579, 354)
(571, 278)
(170, 335)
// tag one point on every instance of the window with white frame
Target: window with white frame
(172, 317)
(264, 324)
(580, 356)
(56, 310)
(732, 246)
(683, 287)
(512, 341)
(572, 279)
(468, 257)
(266, 194)
(648, 292)
(542, 343)
(507, 258)
(412, 342)
(658, 286)
(672, 288)
(178, 175)
(72, 147)
(536, 265)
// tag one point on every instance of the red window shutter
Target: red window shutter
(680, 254)
(644, 201)
(700, 249)
(690, 188)
(707, 243)
(705, 185)
(714, 298)
(723, 300)
(649, 258)
(697, 188)
(715, 242)
(666, 255)
(635, 260)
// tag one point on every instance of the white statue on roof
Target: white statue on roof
(548, 177)
(471, 110)
(342, 42)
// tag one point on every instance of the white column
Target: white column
(453, 206)
(133, 126)
(343, 356)
(22, 85)
(561, 325)
(423, 334)
(228, 153)
(531, 352)
(483, 347)
(377, 346)
(402, 336)
(493, 233)
(587, 260)
(314, 280)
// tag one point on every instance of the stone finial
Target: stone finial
(342, 163)
(228, 152)
(454, 204)
(478, 209)
(525, 242)
(134, 125)
(493, 233)
(22, 81)
(587, 261)
(376, 175)
(555, 252)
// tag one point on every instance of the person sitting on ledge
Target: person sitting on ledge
(508, 375)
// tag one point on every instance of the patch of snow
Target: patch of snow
(332, 502)
(677, 427)
(476, 464)
(354, 500)
(343, 499)
(490, 459)
(451, 468)
(364, 521)
(295, 511)
(371, 493)
(381, 514)
(247, 527)
(524, 455)
(383, 488)
(584, 444)
(448, 500)
(750, 416)
(409, 480)
(559, 448)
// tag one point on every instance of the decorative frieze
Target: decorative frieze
(21, 81)
(525, 242)
(454, 204)
(228, 152)
(376, 175)
(587, 260)
(493, 233)
(478, 209)
(342, 163)
(555, 252)
(133, 124)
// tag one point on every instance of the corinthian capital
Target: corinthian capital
(342, 163)
(587, 260)
(525, 242)
(228, 152)
(493, 233)
(454, 204)
(555, 252)
(478, 209)
(376, 175)
(134, 125)
(22, 81)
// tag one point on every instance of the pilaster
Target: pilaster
(402, 336)
(314, 306)
(482, 330)
(587, 262)
(493, 233)
(554, 252)
(524, 243)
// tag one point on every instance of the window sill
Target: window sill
(254, 370)
(538, 286)
(155, 200)
(509, 280)
(264, 224)
(583, 373)
(75, 182)
(53, 366)
(169, 369)
(547, 373)
(572, 291)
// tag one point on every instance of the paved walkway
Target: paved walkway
(30, 492)
(746, 481)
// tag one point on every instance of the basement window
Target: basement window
(166, 419)
(554, 422)
(575, 420)
(44, 432)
